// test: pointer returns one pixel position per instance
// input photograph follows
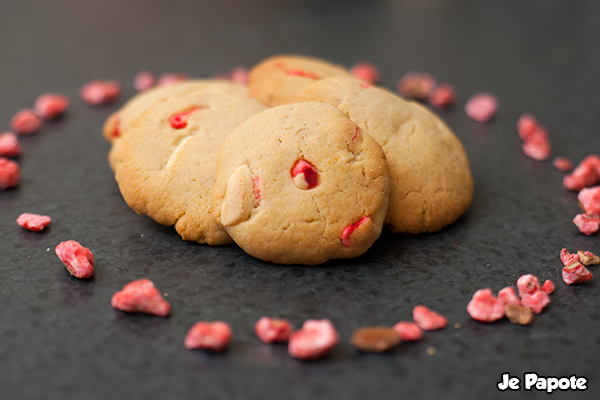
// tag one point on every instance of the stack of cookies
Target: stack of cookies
(304, 164)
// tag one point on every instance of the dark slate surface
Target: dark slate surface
(59, 337)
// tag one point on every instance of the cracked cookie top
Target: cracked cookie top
(301, 184)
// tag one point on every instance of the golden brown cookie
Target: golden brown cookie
(280, 79)
(119, 122)
(301, 184)
(165, 164)
(431, 178)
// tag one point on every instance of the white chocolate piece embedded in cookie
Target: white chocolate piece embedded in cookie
(239, 197)
(165, 163)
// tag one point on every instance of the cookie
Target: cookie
(301, 184)
(280, 79)
(165, 164)
(431, 178)
(119, 122)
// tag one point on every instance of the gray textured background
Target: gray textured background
(59, 337)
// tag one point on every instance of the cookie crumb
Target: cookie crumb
(518, 314)
(431, 351)
(375, 339)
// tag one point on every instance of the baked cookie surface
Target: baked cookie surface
(165, 164)
(280, 79)
(301, 184)
(119, 122)
(431, 178)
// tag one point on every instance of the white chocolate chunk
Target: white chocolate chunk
(239, 197)
(300, 181)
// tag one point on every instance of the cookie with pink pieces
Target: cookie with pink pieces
(312, 186)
